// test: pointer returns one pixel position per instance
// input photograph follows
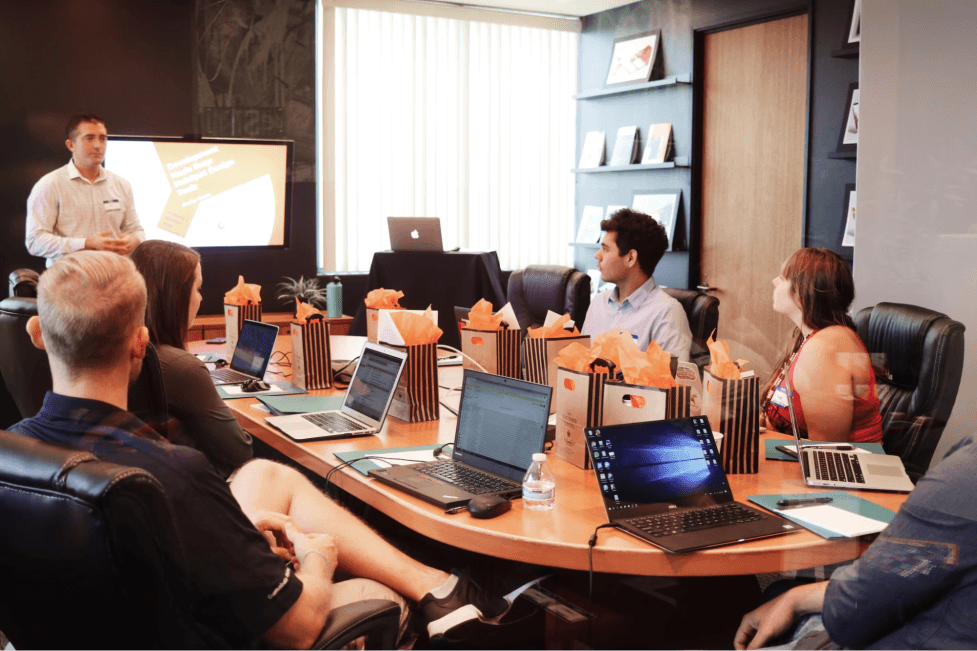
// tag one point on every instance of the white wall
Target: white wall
(916, 238)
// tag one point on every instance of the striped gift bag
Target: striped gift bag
(579, 403)
(498, 351)
(311, 359)
(540, 355)
(733, 408)
(234, 317)
(416, 398)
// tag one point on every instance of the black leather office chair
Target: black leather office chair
(27, 376)
(702, 311)
(23, 282)
(538, 288)
(91, 559)
(923, 351)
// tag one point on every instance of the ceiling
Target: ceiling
(575, 8)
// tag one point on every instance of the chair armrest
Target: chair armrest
(377, 619)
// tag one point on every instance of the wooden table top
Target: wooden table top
(558, 538)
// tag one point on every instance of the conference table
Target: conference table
(557, 538)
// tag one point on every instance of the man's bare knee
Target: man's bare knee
(264, 484)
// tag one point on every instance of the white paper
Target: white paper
(624, 146)
(552, 316)
(509, 316)
(656, 149)
(593, 150)
(839, 521)
(387, 332)
(235, 390)
(402, 458)
(849, 238)
(589, 231)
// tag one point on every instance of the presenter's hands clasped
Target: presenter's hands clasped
(109, 241)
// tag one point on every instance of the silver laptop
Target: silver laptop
(501, 424)
(837, 469)
(415, 233)
(250, 361)
(365, 406)
(343, 350)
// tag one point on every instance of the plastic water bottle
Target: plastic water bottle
(538, 486)
(334, 298)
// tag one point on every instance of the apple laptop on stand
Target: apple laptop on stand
(415, 233)
(837, 469)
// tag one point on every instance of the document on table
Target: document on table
(839, 521)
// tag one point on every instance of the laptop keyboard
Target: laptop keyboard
(668, 524)
(468, 479)
(835, 466)
(335, 423)
(228, 375)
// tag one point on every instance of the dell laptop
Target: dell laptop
(250, 359)
(501, 424)
(415, 233)
(370, 392)
(842, 469)
(663, 481)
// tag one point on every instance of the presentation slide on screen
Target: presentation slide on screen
(205, 194)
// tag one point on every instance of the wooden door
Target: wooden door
(753, 117)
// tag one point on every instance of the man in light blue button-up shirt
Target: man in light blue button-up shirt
(633, 245)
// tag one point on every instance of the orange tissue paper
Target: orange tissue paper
(416, 329)
(384, 299)
(481, 318)
(554, 331)
(303, 311)
(243, 294)
(722, 365)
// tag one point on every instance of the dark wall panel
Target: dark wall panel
(131, 63)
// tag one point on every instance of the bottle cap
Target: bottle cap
(539, 456)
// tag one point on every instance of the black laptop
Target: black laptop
(250, 360)
(663, 481)
(501, 424)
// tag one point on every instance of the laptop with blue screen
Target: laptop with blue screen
(663, 481)
(251, 356)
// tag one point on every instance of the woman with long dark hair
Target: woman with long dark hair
(173, 281)
(835, 396)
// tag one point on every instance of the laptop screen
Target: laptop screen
(254, 346)
(501, 423)
(646, 468)
(375, 379)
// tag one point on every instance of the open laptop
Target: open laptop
(250, 360)
(415, 233)
(663, 481)
(838, 469)
(501, 424)
(365, 406)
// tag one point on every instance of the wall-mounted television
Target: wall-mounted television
(208, 193)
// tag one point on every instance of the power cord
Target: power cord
(455, 350)
(590, 560)
(341, 384)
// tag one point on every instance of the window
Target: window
(467, 121)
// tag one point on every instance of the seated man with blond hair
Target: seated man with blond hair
(262, 549)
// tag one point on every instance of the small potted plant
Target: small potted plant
(306, 290)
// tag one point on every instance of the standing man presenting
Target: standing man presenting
(633, 245)
(82, 205)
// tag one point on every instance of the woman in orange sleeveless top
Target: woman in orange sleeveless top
(835, 397)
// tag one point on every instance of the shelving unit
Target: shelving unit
(844, 155)
(674, 80)
(680, 161)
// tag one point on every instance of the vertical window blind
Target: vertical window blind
(470, 122)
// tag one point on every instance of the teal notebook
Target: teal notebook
(364, 466)
(839, 499)
(233, 391)
(775, 454)
(285, 405)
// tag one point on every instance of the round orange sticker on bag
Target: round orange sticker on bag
(568, 383)
(375, 316)
(477, 341)
(637, 401)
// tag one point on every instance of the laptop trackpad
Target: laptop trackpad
(882, 470)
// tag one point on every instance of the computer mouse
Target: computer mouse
(488, 506)
(252, 386)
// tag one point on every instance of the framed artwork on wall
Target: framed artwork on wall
(855, 27)
(662, 205)
(848, 138)
(848, 239)
(634, 58)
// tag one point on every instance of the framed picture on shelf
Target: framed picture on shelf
(848, 139)
(855, 27)
(633, 58)
(848, 239)
(662, 205)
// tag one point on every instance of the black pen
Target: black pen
(804, 502)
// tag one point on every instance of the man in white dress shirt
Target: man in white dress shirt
(82, 205)
(633, 245)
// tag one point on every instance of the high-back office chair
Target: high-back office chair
(94, 560)
(538, 288)
(923, 351)
(23, 282)
(27, 376)
(702, 311)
